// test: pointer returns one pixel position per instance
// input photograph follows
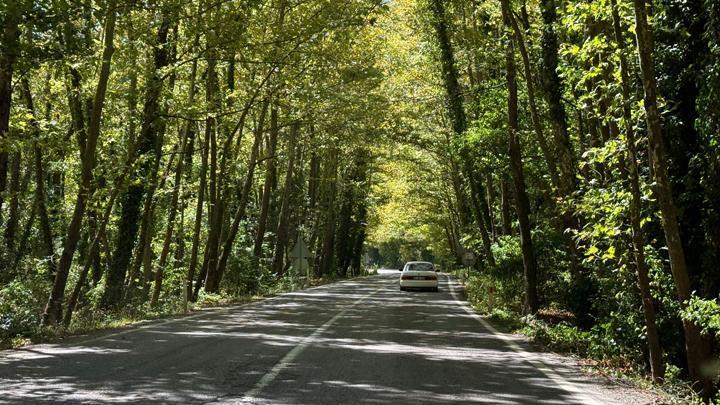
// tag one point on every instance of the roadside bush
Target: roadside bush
(20, 310)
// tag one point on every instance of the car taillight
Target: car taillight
(430, 278)
(406, 277)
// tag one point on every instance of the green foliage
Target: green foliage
(704, 313)
(19, 309)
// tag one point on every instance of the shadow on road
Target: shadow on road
(393, 347)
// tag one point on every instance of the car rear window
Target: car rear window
(419, 267)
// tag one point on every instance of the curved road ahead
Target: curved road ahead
(355, 341)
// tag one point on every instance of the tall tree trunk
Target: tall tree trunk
(269, 176)
(505, 207)
(281, 239)
(457, 117)
(516, 166)
(40, 195)
(14, 203)
(187, 134)
(327, 253)
(696, 349)
(88, 146)
(548, 153)
(638, 236)
(92, 247)
(214, 284)
(147, 147)
(552, 85)
(9, 51)
(198, 221)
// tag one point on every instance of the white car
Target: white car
(418, 275)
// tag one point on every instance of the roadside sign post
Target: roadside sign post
(300, 255)
(468, 260)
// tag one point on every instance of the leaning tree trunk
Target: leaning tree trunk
(638, 237)
(457, 117)
(40, 194)
(187, 134)
(516, 167)
(88, 146)
(146, 148)
(694, 345)
(238, 217)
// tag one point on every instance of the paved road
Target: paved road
(350, 342)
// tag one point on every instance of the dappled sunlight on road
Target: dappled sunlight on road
(386, 346)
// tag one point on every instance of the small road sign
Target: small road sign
(468, 259)
(300, 255)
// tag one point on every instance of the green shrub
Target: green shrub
(20, 309)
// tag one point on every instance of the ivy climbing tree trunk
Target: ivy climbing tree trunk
(88, 145)
(147, 150)
(457, 117)
(522, 203)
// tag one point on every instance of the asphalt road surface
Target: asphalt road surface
(357, 341)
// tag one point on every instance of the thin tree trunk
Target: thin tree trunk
(198, 221)
(638, 237)
(458, 119)
(269, 175)
(281, 240)
(184, 150)
(147, 147)
(696, 349)
(552, 84)
(505, 207)
(88, 144)
(516, 166)
(239, 214)
(9, 51)
(14, 203)
(327, 255)
(92, 247)
(548, 154)
(40, 195)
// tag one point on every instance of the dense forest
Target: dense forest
(160, 152)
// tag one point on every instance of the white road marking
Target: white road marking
(251, 396)
(536, 362)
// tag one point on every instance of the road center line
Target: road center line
(250, 396)
(551, 374)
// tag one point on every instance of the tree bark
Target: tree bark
(238, 217)
(40, 194)
(505, 207)
(638, 236)
(281, 239)
(457, 117)
(548, 153)
(88, 145)
(9, 50)
(552, 85)
(187, 133)
(516, 166)
(198, 221)
(269, 176)
(147, 147)
(694, 346)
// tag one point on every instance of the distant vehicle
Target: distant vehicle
(418, 275)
